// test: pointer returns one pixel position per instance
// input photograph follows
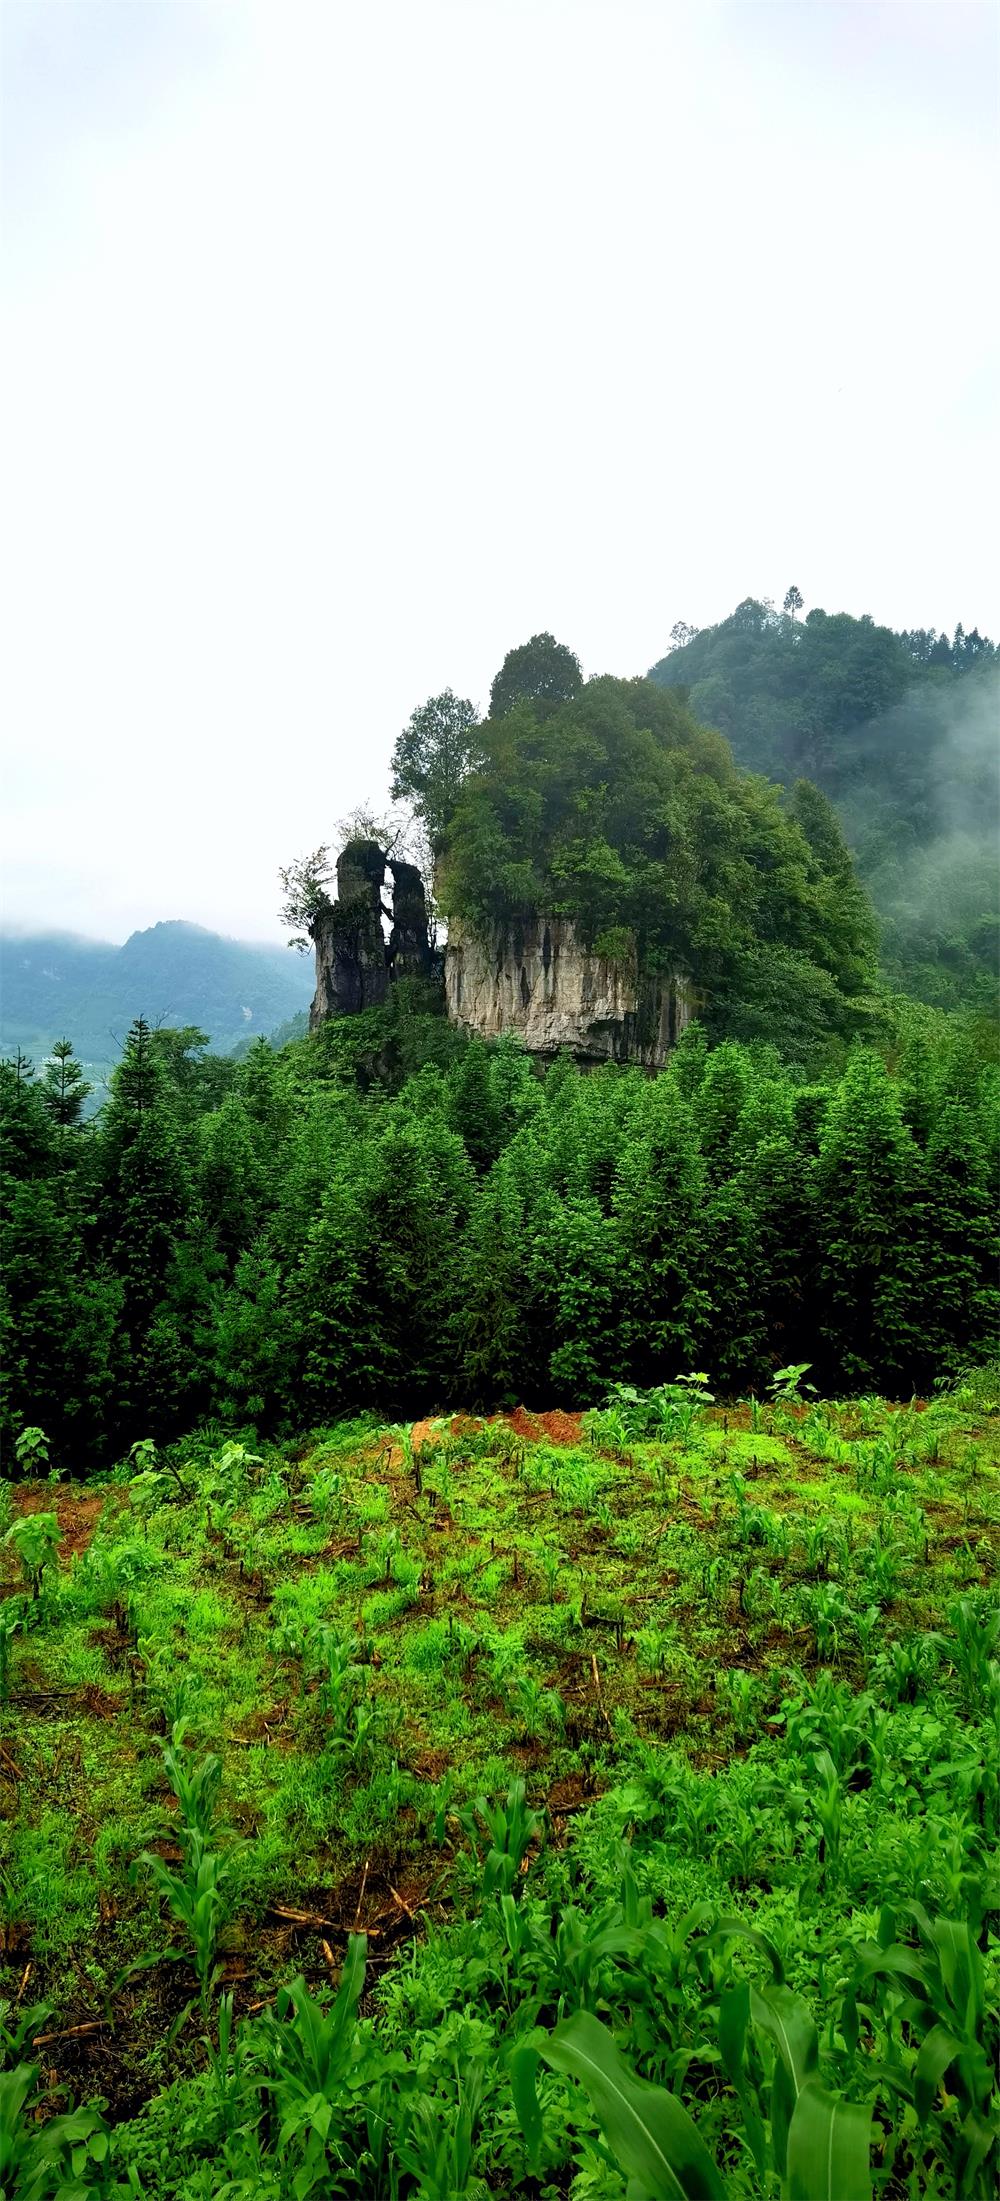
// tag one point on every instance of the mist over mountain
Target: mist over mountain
(900, 730)
(172, 973)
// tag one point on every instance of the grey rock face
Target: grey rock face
(351, 966)
(409, 941)
(541, 983)
(354, 967)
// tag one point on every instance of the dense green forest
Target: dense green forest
(900, 731)
(389, 1214)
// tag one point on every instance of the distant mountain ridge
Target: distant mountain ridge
(56, 985)
(900, 731)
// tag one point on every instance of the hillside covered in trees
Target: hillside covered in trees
(173, 973)
(615, 808)
(900, 731)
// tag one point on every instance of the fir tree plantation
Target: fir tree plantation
(499, 1649)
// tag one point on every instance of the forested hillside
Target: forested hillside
(388, 1215)
(901, 732)
(173, 974)
(615, 808)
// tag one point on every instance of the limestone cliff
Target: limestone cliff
(354, 965)
(351, 968)
(536, 980)
(410, 953)
(539, 982)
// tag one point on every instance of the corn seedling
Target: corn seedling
(500, 1835)
(542, 1710)
(197, 1896)
(310, 2054)
(817, 2142)
(940, 2055)
(738, 1693)
(976, 1648)
(342, 1686)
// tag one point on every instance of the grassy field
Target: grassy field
(675, 1722)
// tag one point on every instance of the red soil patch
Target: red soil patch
(554, 1427)
(424, 1432)
(77, 1517)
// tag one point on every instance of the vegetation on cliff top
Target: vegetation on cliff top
(617, 809)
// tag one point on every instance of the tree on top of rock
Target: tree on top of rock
(432, 756)
(543, 670)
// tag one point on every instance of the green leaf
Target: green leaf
(829, 2144)
(734, 2024)
(729, 1929)
(734, 2021)
(647, 2130)
(523, 2073)
(786, 2018)
(783, 2016)
(938, 2050)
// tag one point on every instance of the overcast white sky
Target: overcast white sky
(350, 342)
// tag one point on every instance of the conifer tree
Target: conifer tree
(868, 1227)
(576, 1263)
(718, 1109)
(493, 1330)
(957, 1255)
(254, 1343)
(737, 1338)
(474, 1108)
(660, 1240)
(230, 1177)
(64, 1089)
(145, 1200)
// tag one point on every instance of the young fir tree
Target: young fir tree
(44, 1376)
(660, 1241)
(145, 1202)
(64, 1089)
(576, 1265)
(869, 1229)
(493, 1325)
(254, 1342)
(738, 1348)
(416, 1201)
(338, 1359)
(957, 1257)
(777, 1188)
(474, 1108)
(718, 1109)
(230, 1178)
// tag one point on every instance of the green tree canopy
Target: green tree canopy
(432, 756)
(899, 731)
(542, 672)
(619, 811)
